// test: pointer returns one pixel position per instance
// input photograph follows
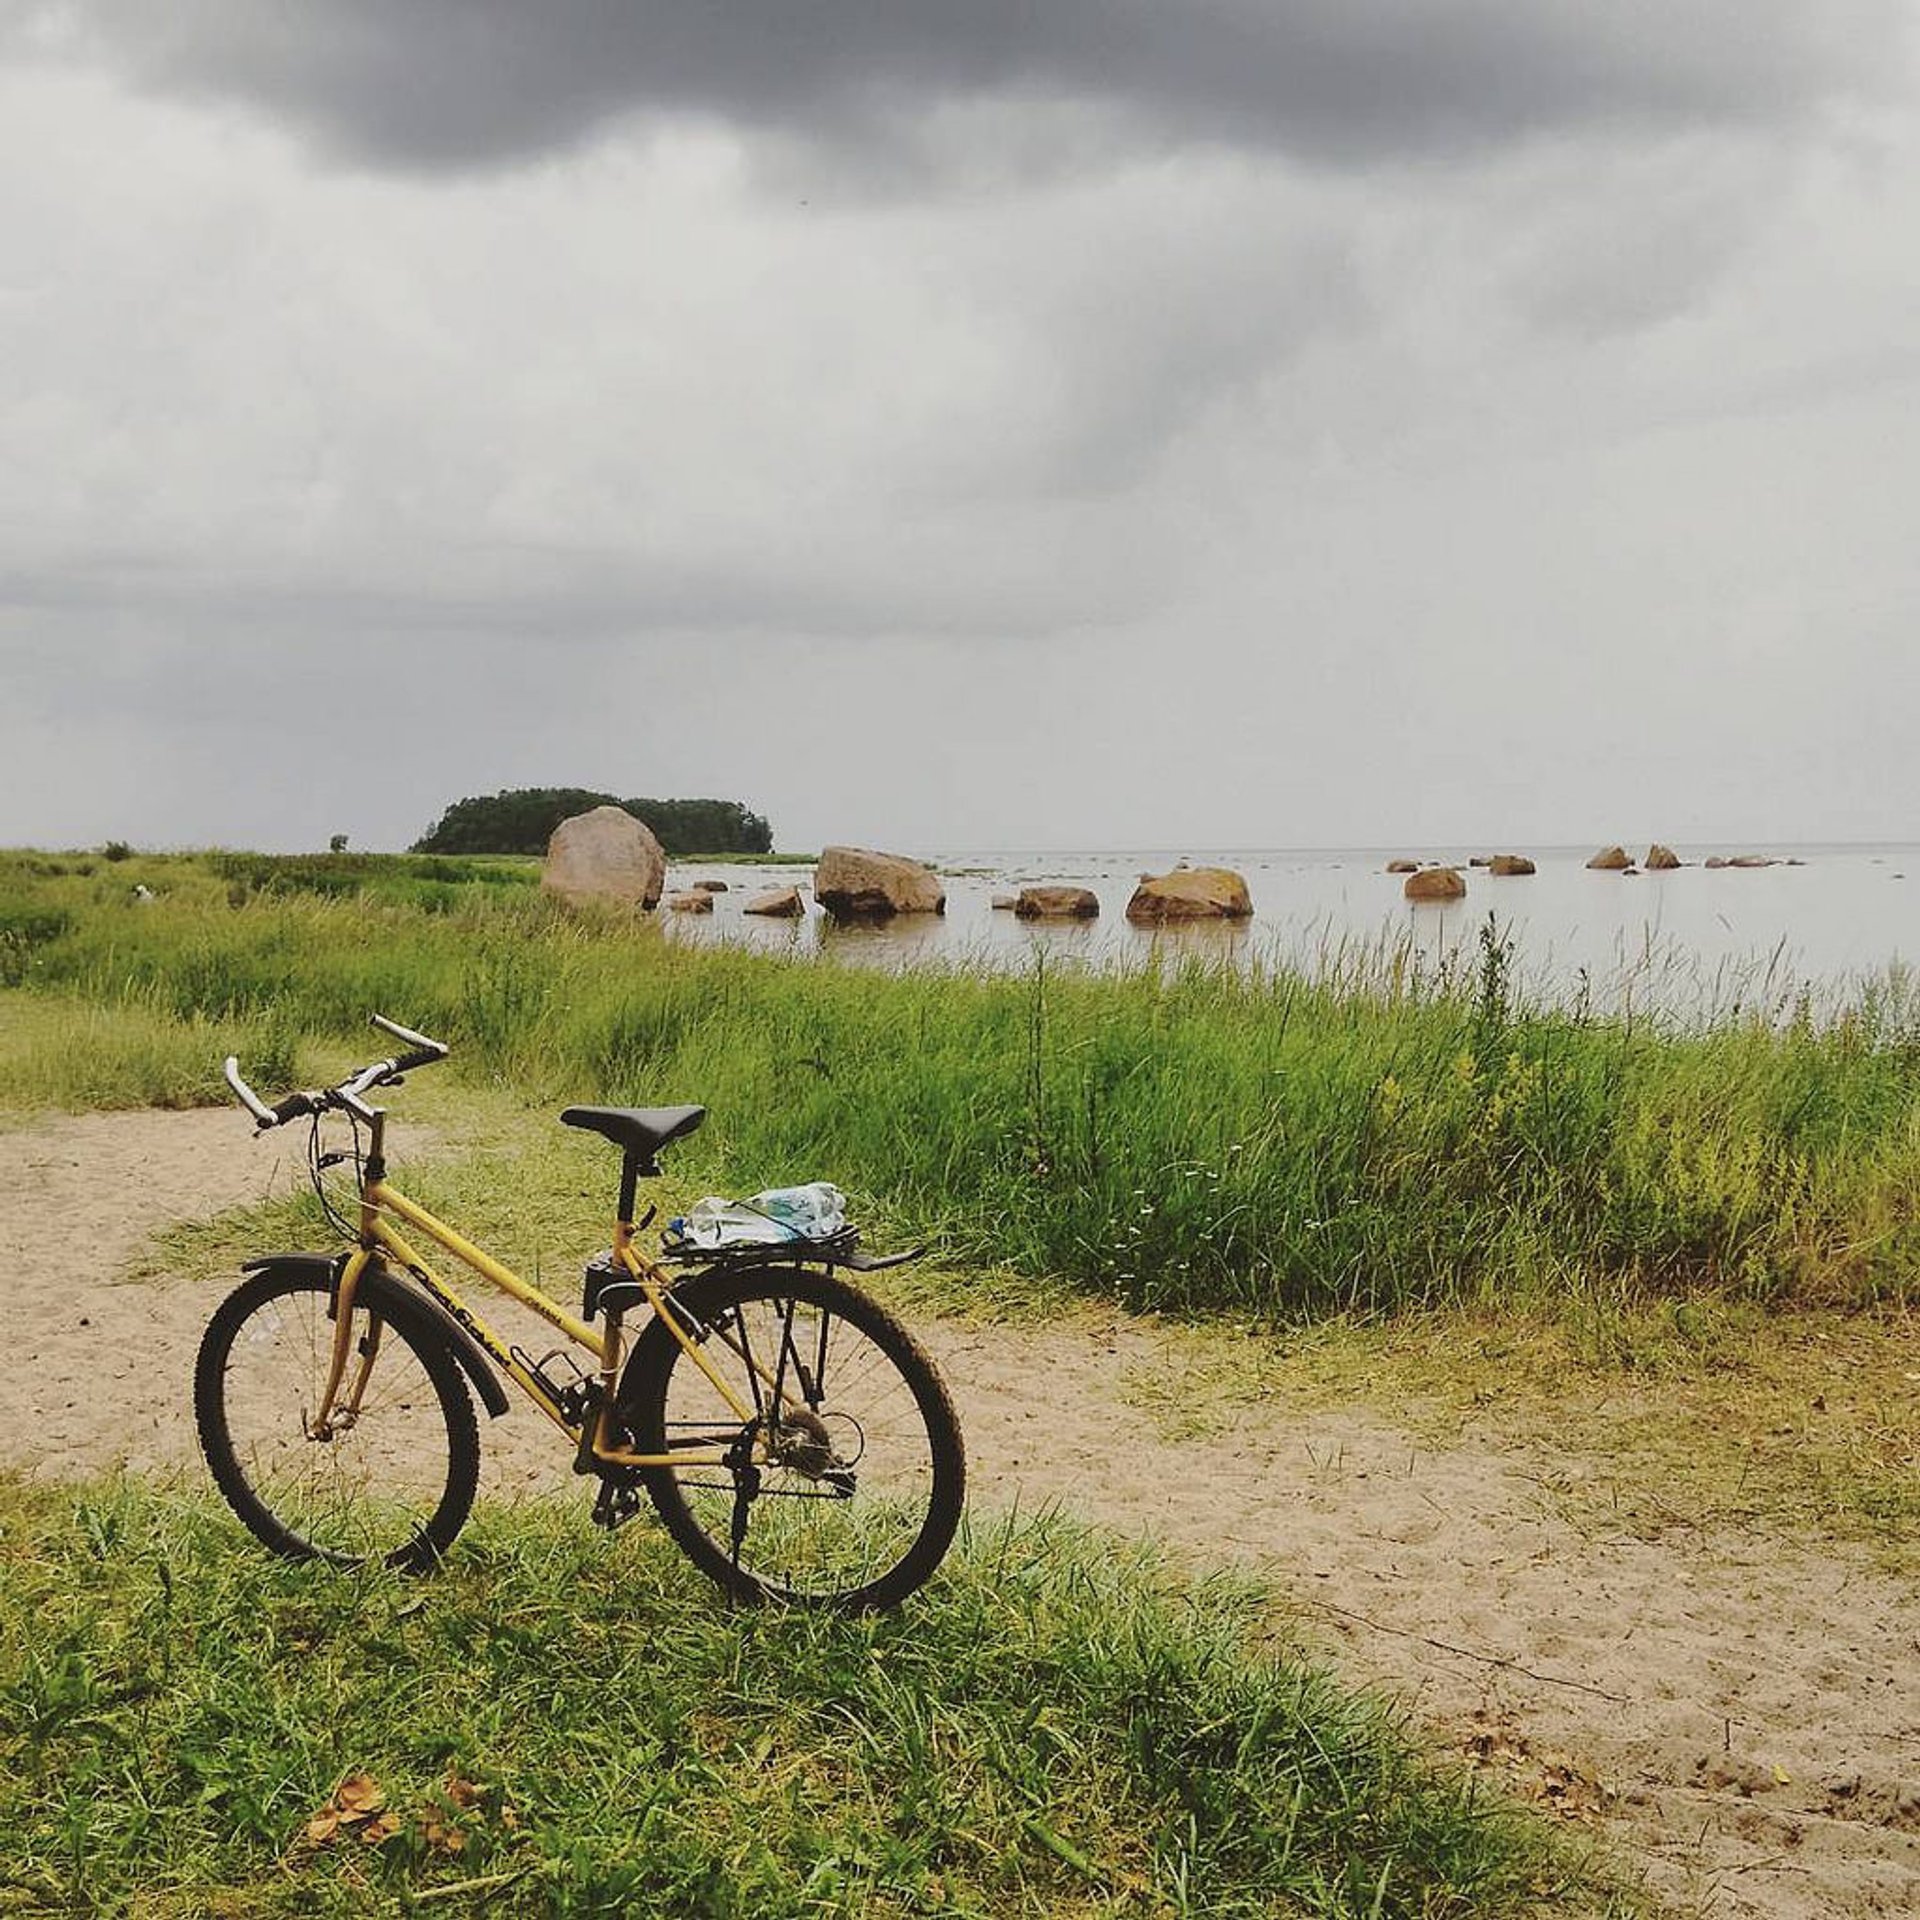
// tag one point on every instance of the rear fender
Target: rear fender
(327, 1267)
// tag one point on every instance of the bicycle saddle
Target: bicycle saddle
(640, 1131)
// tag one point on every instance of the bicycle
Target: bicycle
(793, 1437)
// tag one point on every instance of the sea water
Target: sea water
(1817, 926)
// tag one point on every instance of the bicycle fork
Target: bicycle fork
(332, 1415)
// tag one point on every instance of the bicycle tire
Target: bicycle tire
(873, 1480)
(397, 1485)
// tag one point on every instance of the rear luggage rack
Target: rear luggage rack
(840, 1249)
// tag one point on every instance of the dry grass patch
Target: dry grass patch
(1687, 1414)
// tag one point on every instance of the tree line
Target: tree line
(523, 819)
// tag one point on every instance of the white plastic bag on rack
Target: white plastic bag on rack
(771, 1218)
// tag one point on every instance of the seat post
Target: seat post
(629, 1182)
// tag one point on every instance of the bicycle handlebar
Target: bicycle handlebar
(351, 1092)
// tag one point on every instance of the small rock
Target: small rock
(1510, 863)
(1403, 866)
(1717, 860)
(1661, 859)
(710, 886)
(1751, 860)
(690, 902)
(1005, 902)
(1610, 860)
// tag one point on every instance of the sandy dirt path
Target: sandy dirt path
(1741, 1711)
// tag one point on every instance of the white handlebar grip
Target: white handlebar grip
(248, 1098)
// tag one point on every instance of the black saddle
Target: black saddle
(639, 1132)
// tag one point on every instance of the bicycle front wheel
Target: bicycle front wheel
(390, 1477)
(846, 1475)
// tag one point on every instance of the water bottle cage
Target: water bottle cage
(574, 1396)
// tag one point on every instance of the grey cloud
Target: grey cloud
(1042, 579)
(455, 84)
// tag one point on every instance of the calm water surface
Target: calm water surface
(1696, 941)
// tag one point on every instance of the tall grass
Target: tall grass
(1187, 1136)
(560, 1724)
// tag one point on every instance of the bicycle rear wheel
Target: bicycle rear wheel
(392, 1482)
(848, 1476)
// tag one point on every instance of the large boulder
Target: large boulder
(777, 903)
(1510, 863)
(1057, 903)
(1660, 859)
(855, 884)
(1435, 883)
(1190, 893)
(606, 855)
(1610, 860)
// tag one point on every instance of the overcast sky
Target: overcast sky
(941, 425)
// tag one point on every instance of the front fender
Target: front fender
(466, 1349)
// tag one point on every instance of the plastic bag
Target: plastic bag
(780, 1214)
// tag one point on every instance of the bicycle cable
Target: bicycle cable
(317, 1165)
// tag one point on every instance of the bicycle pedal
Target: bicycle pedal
(616, 1505)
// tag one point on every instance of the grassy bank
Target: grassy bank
(561, 1724)
(1195, 1139)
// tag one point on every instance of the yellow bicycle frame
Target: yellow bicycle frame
(381, 1204)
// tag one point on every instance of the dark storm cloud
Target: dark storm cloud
(452, 84)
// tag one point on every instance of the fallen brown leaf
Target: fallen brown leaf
(359, 1794)
(441, 1837)
(463, 1793)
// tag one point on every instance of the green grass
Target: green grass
(1193, 1138)
(563, 1724)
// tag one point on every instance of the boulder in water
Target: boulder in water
(1190, 893)
(1435, 883)
(777, 903)
(853, 883)
(1057, 903)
